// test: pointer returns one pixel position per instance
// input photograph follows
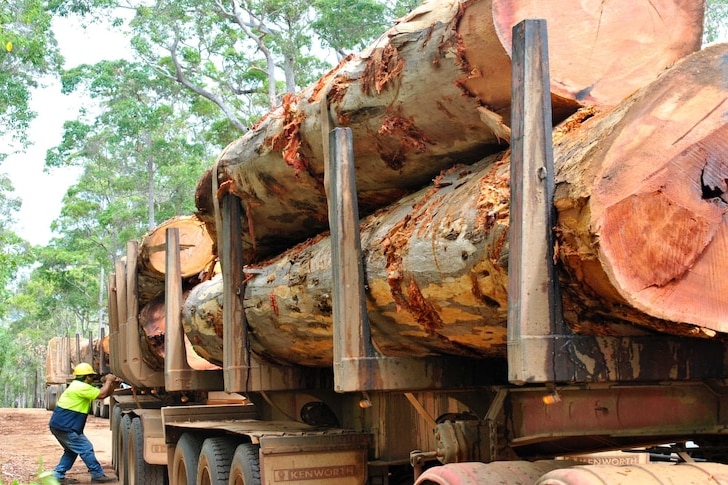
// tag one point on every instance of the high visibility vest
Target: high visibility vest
(73, 407)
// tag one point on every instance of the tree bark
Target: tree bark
(152, 326)
(434, 266)
(641, 197)
(431, 92)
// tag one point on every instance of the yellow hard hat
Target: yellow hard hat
(83, 369)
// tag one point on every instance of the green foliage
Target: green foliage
(22, 358)
(27, 53)
(716, 21)
(334, 28)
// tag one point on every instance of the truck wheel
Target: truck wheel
(124, 427)
(97, 411)
(245, 468)
(48, 404)
(52, 393)
(115, 438)
(215, 458)
(184, 463)
(141, 472)
(105, 411)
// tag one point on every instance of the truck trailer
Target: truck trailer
(475, 356)
(62, 355)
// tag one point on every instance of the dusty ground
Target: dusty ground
(25, 439)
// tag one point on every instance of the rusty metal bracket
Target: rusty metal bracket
(134, 370)
(242, 370)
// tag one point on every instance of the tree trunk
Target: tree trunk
(434, 266)
(196, 255)
(642, 203)
(152, 326)
(431, 92)
(641, 199)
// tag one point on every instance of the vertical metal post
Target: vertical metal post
(352, 337)
(176, 368)
(139, 373)
(179, 376)
(102, 358)
(534, 310)
(357, 365)
(66, 354)
(121, 355)
(236, 352)
(78, 349)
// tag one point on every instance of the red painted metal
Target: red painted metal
(616, 411)
(648, 474)
(495, 473)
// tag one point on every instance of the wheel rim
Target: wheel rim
(180, 473)
(205, 478)
(131, 460)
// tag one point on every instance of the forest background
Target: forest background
(197, 75)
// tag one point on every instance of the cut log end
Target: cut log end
(621, 46)
(196, 248)
(667, 244)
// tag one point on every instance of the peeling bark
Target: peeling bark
(432, 92)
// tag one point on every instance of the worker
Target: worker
(69, 420)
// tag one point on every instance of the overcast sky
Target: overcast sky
(41, 192)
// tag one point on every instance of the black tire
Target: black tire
(141, 472)
(124, 428)
(105, 411)
(183, 469)
(115, 438)
(97, 411)
(245, 468)
(215, 459)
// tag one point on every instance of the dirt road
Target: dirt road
(25, 439)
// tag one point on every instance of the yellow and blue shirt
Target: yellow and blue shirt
(73, 407)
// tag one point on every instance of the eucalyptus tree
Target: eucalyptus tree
(141, 150)
(243, 55)
(28, 53)
(139, 165)
(716, 21)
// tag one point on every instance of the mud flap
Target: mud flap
(315, 459)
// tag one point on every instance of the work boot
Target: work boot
(103, 479)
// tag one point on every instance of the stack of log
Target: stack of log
(197, 264)
(641, 182)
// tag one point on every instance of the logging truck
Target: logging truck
(473, 253)
(62, 355)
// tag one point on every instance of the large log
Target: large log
(196, 255)
(431, 259)
(640, 195)
(643, 200)
(152, 327)
(431, 92)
